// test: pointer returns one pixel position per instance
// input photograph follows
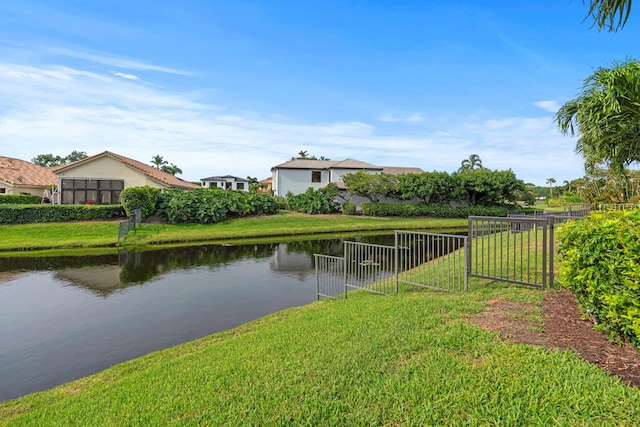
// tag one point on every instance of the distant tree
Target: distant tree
(551, 181)
(50, 160)
(158, 161)
(75, 156)
(303, 154)
(609, 14)
(171, 168)
(471, 164)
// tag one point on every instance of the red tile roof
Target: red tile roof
(153, 173)
(21, 173)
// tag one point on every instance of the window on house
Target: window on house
(315, 176)
(3, 190)
(98, 191)
(240, 186)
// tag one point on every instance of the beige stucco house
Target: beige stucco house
(100, 178)
(22, 177)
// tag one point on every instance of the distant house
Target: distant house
(100, 178)
(227, 182)
(21, 177)
(297, 175)
(266, 185)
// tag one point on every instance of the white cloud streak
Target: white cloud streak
(60, 109)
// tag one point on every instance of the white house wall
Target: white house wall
(297, 181)
(109, 168)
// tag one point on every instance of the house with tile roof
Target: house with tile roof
(297, 175)
(100, 178)
(226, 182)
(22, 177)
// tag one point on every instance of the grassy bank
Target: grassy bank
(406, 359)
(49, 236)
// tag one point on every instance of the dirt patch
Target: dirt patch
(562, 328)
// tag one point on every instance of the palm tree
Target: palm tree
(609, 14)
(172, 169)
(551, 181)
(158, 161)
(472, 163)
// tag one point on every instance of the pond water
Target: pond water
(62, 318)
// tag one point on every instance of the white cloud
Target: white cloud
(60, 109)
(413, 118)
(115, 61)
(125, 75)
(550, 106)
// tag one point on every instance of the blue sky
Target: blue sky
(236, 87)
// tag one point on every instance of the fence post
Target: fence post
(395, 261)
(467, 262)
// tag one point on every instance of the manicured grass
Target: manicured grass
(105, 234)
(406, 359)
(283, 224)
(90, 234)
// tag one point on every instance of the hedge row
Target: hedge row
(601, 266)
(437, 211)
(209, 205)
(20, 199)
(23, 214)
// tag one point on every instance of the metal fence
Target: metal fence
(370, 267)
(330, 280)
(517, 249)
(431, 260)
(129, 224)
(509, 249)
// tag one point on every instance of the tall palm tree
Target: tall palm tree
(158, 161)
(472, 163)
(172, 169)
(551, 181)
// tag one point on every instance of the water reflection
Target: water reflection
(62, 318)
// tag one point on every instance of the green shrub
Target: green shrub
(25, 214)
(313, 202)
(435, 211)
(143, 198)
(349, 208)
(211, 205)
(601, 265)
(20, 199)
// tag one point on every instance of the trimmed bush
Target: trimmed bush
(434, 211)
(20, 199)
(349, 208)
(24, 214)
(143, 198)
(601, 266)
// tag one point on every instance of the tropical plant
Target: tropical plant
(551, 181)
(158, 161)
(470, 164)
(607, 117)
(171, 169)
(609, 14)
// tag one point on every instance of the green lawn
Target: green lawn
(406, 359)
(104, 234)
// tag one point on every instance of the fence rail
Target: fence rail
(330, 279)
(431, 260)
(370, 267)
(517, 249)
